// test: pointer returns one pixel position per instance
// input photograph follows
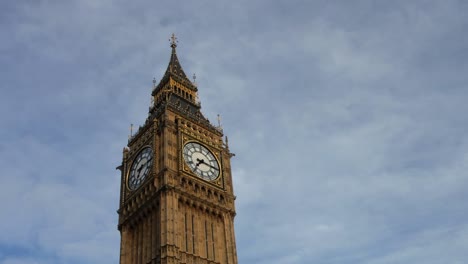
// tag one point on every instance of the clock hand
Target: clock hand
(141, 167)
(211, 166)
(200, 161)
(207, 164)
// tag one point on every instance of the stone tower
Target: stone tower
(176, 195)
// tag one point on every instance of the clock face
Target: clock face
(201, 161)
(140, 168)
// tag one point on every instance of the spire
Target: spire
(174, 68)
(174, 71)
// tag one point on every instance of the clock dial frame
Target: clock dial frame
(141, 166)
(201, 161)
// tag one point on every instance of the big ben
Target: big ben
(176, 196)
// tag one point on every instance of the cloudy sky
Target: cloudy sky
(348, 120)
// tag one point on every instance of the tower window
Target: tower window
(206, 241)
(186, 232)
(212, 240)
(193, 234)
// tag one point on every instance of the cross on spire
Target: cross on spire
(173, 41)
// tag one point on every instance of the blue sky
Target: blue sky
(347, 118)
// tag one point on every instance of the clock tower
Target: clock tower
(176, 195)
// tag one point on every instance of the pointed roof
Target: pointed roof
(174, 64)
(174, 69)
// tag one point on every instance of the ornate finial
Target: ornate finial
(194, 79)
(173, 41)
(219, 121)
(131, 131)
